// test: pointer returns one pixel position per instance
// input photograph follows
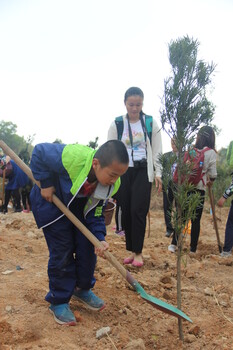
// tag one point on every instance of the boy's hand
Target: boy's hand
(158, 183)
(100, 251)
(47, 193)
(221, 201)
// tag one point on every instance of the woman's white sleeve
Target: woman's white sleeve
(112, 132)
(156, 148)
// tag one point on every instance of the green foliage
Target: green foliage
(224, 171)
(185, 105)
(58, 141)
(230, 154)
(93, 144)
(185, 108)
(17, 143)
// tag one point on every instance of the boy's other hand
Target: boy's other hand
(47, 193)
(100, 250)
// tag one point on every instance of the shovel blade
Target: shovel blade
(159, 304)
(165, 307)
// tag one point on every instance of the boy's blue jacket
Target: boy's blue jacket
(65, 167)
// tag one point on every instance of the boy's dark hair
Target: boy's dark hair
(205, 138)
(112, 150)
(132, 92)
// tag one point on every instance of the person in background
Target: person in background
(119, 230)
(16, 180)
(169, 164)
(25, 194)
(228, 243)
(205, 139)
(83, 179)
(25, 191)
(142, 137)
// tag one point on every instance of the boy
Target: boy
(228, 244)
(82, 179)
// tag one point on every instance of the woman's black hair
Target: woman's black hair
(112, 150)
(205, 138)
(132, 91)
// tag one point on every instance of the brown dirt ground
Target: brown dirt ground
(207, 293)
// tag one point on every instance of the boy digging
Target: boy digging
(82, 179)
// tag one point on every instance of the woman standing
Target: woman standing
(205, 141)
(141, 135)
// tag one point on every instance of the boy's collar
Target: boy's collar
(91, 176)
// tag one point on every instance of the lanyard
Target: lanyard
(131, 135)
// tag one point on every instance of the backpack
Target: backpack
(194, 159)
(148, 126)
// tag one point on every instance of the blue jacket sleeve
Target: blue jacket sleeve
(46, 160)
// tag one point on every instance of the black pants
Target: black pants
(118, 212)
(25, 193)
(168, 198)
(134, 199)
(17, 198)
(196, 224)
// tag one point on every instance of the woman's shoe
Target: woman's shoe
(120, 233)
(172, 248)
(136, 263)
(128, 260)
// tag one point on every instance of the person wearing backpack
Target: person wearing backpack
(142, 137)
(228, 243)
(204, 147)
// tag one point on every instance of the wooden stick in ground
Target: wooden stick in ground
(211, 196)
(148, 217)
(3, 188)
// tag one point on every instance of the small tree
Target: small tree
(93, 144)
(58, 141)
(185, 108)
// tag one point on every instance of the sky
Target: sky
(65, 64)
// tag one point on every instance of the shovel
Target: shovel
(214, 218)
(157, 303)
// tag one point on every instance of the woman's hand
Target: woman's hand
(47, 193)
(100, 250)
(221, 201)
(158, 183)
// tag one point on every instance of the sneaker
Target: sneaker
(88, 298)
(172, 248)
(62, 314)
(192, 251)
(225, 254)
(18, 210)
(168, 234)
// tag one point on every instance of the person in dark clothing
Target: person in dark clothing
(205, 139)
(83, 179)
(16, 180)
(228, 244)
